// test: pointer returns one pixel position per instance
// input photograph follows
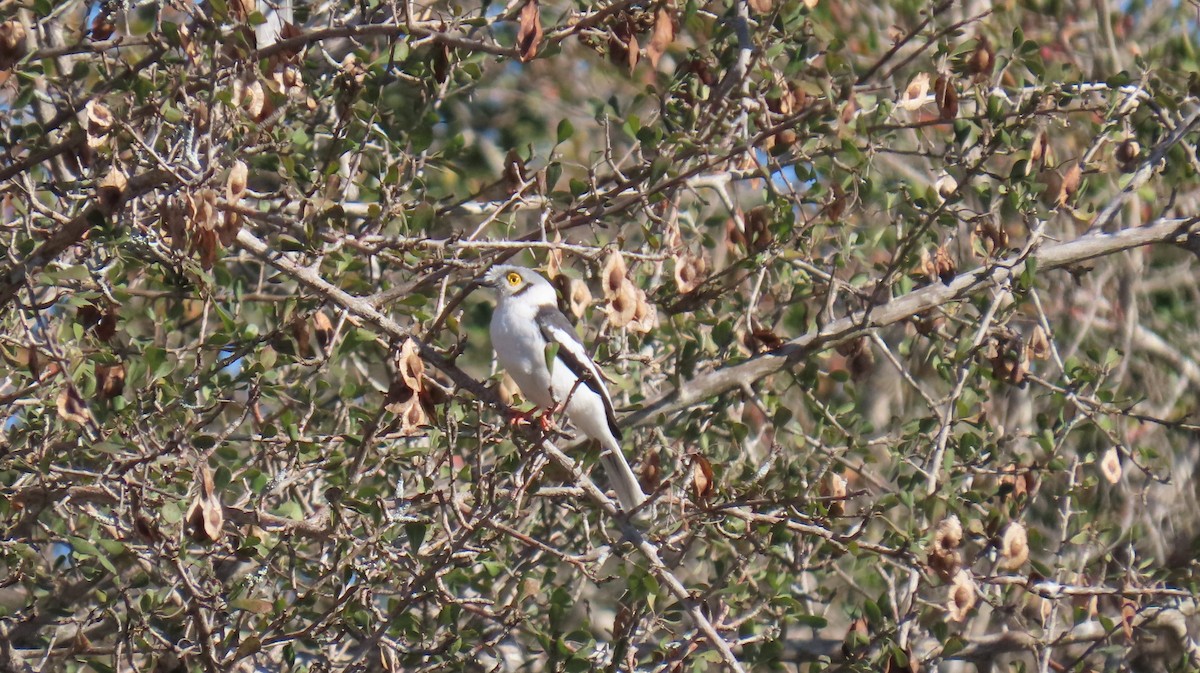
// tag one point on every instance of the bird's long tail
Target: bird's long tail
(621, 477)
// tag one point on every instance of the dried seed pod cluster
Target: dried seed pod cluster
(627, 305)
(409, 398)
(198, 223)
(944, 557)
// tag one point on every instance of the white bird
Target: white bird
(526, 321)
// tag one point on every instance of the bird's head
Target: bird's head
(512, 282)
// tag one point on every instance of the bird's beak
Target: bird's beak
(489, 281)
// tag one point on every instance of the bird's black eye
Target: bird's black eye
(514, 278)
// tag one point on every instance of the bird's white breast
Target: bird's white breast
(521, 350)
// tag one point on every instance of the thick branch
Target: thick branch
(902, 308)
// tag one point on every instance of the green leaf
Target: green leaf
(565, 130)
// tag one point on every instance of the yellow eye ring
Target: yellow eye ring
(514, 278)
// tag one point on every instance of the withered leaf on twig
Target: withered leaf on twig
(206, 515)
(703, 485)
(622, 306)
(406, 397)
(529, 31)
(110, 380)
(947, 98)
(663, 36)
(613, 274)
(71, 406)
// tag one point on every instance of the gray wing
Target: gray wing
(571, 350)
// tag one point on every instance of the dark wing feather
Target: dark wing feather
(571, 350)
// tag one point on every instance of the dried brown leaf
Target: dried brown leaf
(703, 485)
(99, 123)
(1039, 152)
(944, 266)
(206, 515)
(13, 46)
(613, 273)
(758, 229)
(1070, 184)
(1110, 465)
(760, 6)
(947, 98)
(404, 395)
(962, 596)
(645, 315)
(1127, 154)
(110, 380)
(650, 472)
(689, 272)
(322, 328)
(915, 93)
(110, 192)
(580, 297)
(982, 58)
(1038, 345)
(833, 490)
(235, 184)
(662, 37)
(71, 406)
(1014, 546)
(622, 306)
(529, 31)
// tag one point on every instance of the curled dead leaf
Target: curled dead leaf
(940, 265)
(71, 406)
(944, 557)
(662, 37)
(982, 59)
(758, 229)
(407, 388)
(650, 472)
(1110, 465)
(994, 237)
(206, 516)
(1069, 185)
(613, 274)
(1037, 347)
(1007, 357)
(13, 45)
(110, 192)
(645, 315)
(833, 491)
(323, 329)
(946, 97)
(529, 31)
(580, 297)
(915, 93)
(622, 306)
(554, 259)
(110, 380)
(255, 101)
(1127, 155)
(1040, 152)
(99, 123)
(235, 184)
(703, 485)
(689, 272)
(1014, 546)
(962, 596)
